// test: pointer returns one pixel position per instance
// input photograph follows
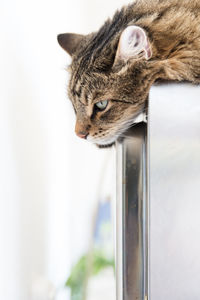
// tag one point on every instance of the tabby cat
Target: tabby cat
(113, 69)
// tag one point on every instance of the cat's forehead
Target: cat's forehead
(87, 85)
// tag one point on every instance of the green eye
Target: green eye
(101, 105)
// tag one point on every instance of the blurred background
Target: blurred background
(56, 191)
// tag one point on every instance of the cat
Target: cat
(113, 69)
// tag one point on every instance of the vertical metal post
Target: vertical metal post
(173, 237)
(132, 216)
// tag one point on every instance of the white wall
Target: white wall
(48, 177)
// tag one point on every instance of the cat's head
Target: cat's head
(110, 80)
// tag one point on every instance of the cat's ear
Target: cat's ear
(69, 41)
(133, 41)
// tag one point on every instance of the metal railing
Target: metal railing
(132, 216)
(158, 200)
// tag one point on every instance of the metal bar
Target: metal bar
(171, 268)
(132, 216)
(174, 134)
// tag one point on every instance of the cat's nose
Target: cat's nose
(82, 135)
(81, 130)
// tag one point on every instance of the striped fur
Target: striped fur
(173, 29)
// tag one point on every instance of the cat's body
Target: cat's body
(113, 69)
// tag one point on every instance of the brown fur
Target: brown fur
(173, 29)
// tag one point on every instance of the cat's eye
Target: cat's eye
(101, 105)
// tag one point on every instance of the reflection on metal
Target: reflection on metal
(131, 256)
(158, 240)
(174, 135)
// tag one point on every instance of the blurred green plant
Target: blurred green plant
(88, 265)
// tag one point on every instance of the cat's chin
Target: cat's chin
(111, 144)
(104, 143)
(105, 146)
